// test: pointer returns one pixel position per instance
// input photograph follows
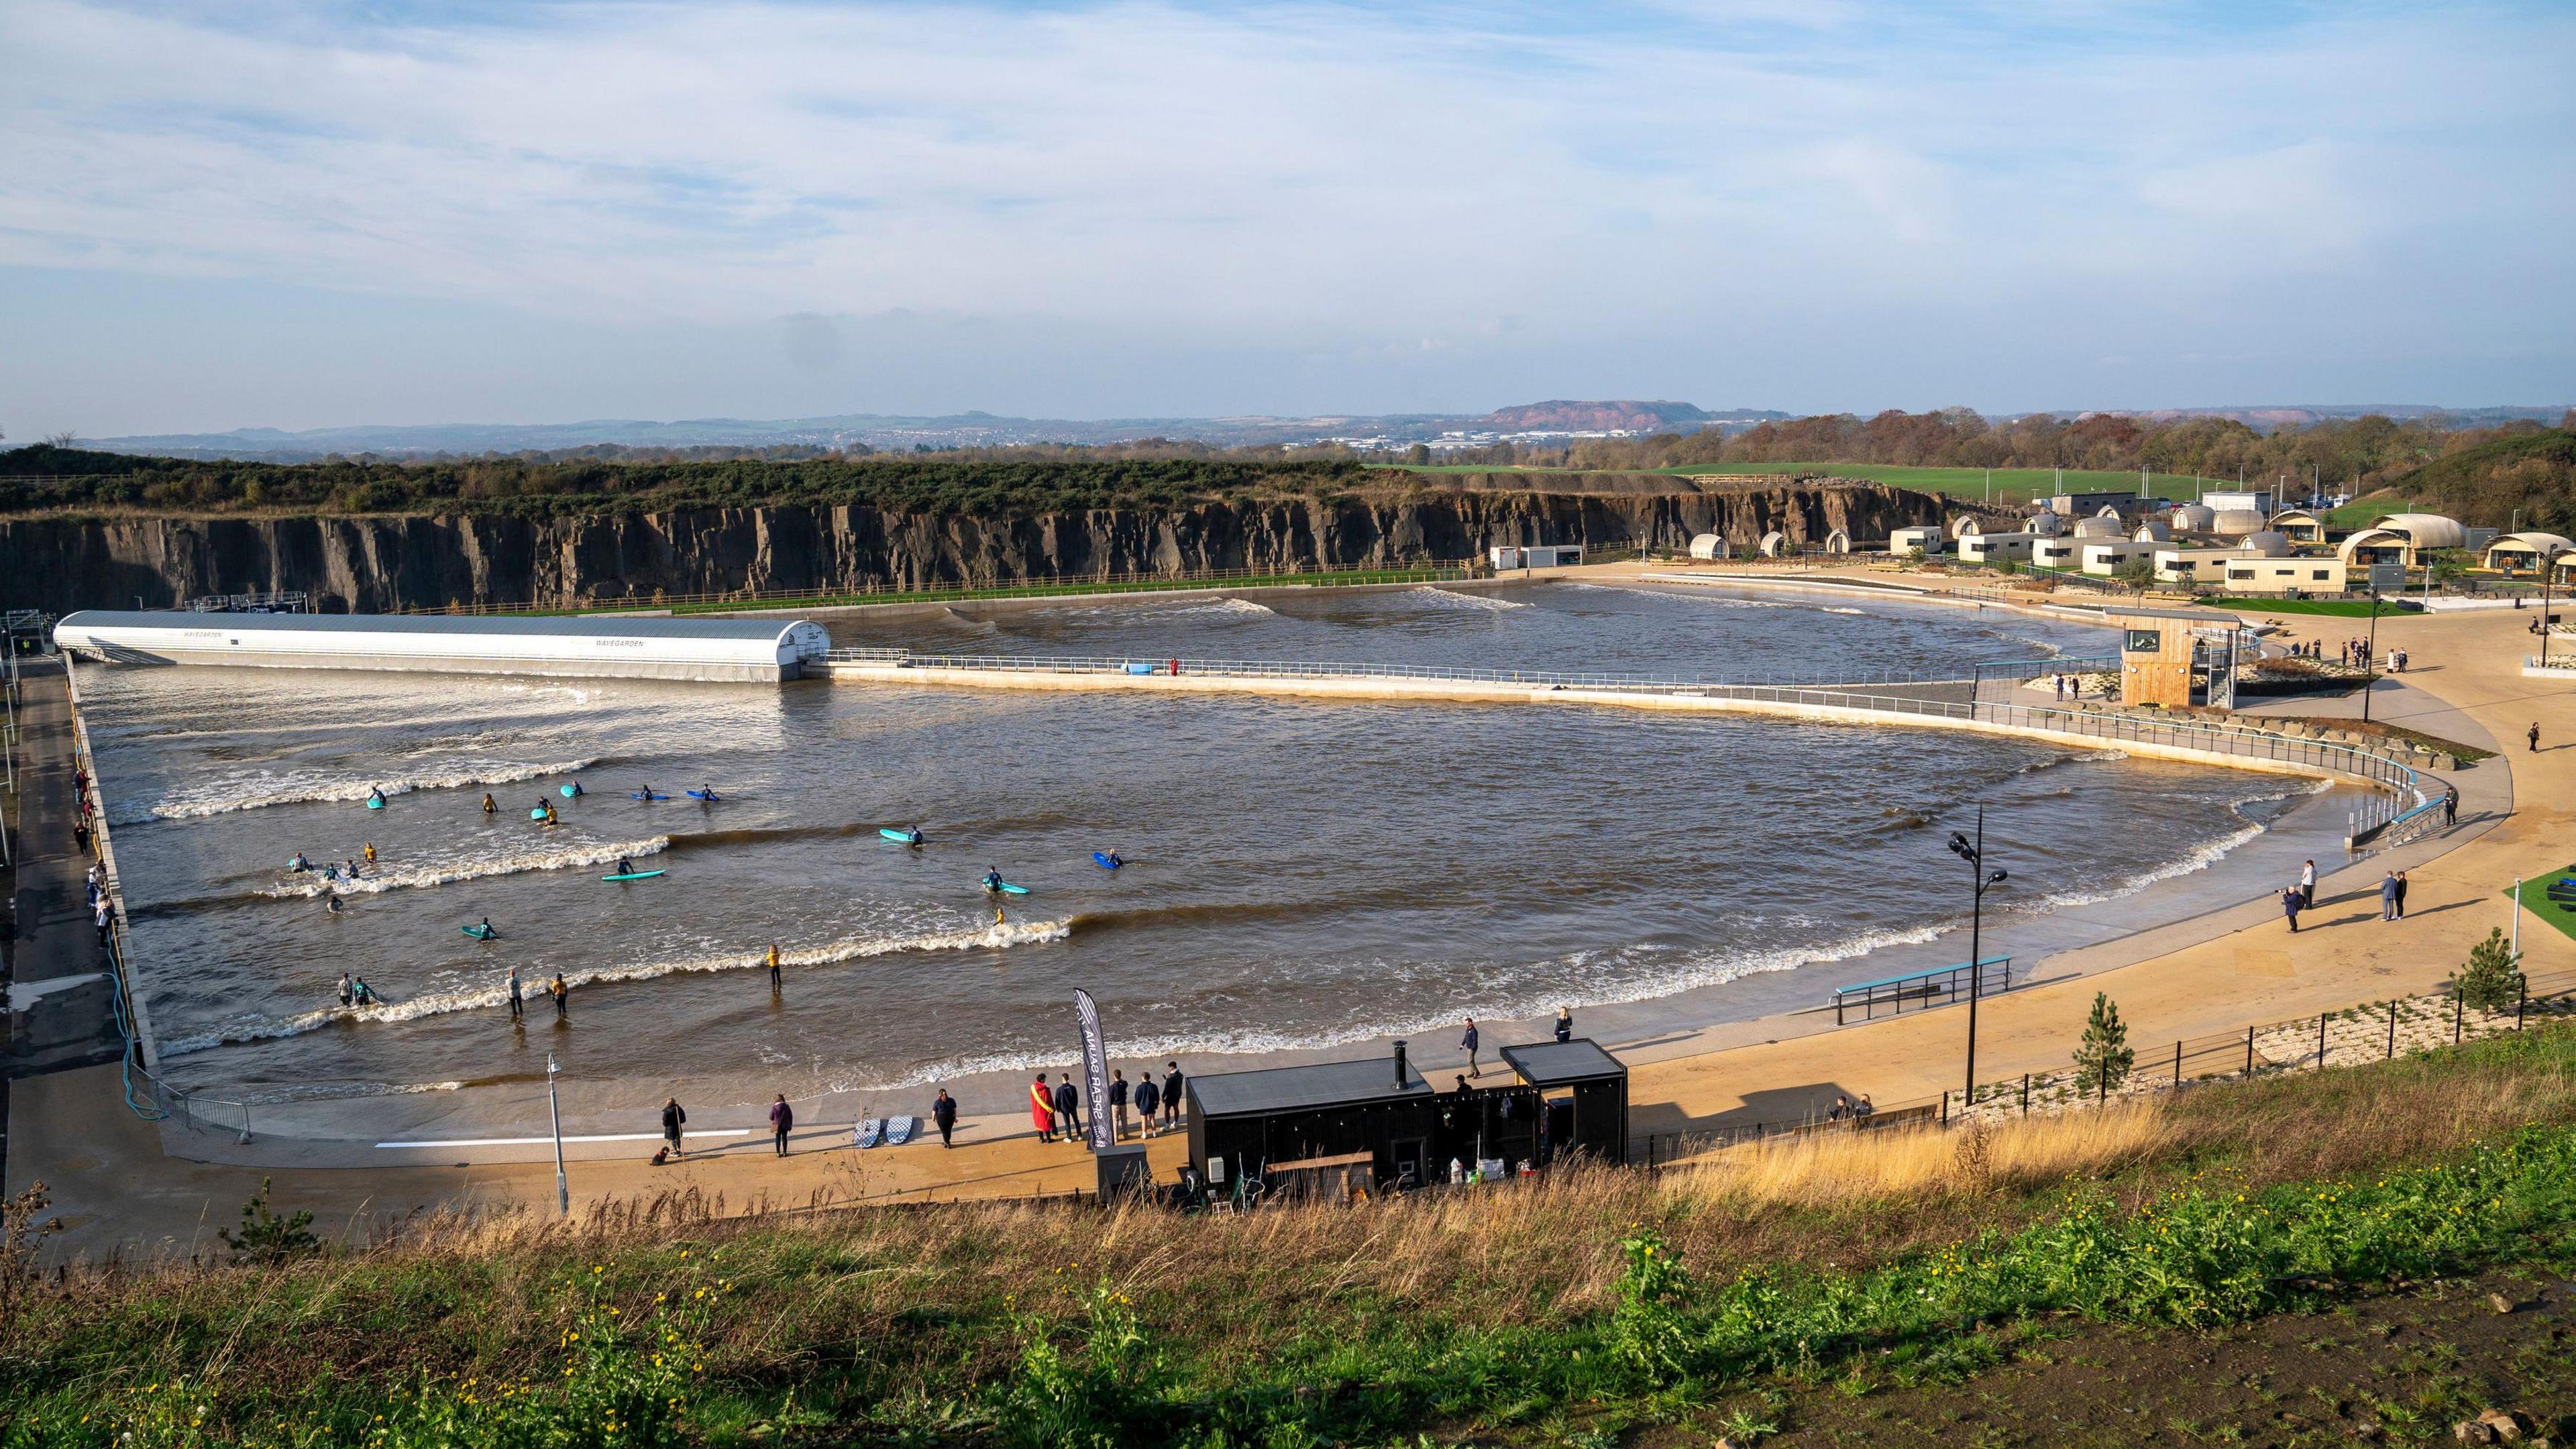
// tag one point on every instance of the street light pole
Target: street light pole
(1975, 855)
(554, 1114)
(2370, 666)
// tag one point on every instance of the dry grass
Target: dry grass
(1840, 1169)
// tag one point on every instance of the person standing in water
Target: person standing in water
(774, 982)
(371, 852)
(490, 805)
(348, 993)
(518, 1007)
(563, 997)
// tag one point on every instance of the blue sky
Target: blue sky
(299, 215)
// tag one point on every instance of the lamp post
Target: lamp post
(1974, 853)
(554, 1114)
(2370, 665)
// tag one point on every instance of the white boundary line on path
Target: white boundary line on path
(541, 1141)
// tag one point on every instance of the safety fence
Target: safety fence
(826, 595)
(1936, 987)
(2354, 1035)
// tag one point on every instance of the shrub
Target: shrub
(2103, 1058)
(2490, 980)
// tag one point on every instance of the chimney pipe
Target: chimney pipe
(1399, 1064)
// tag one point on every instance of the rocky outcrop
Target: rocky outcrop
(365, 563)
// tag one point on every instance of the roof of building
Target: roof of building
(2425, 530)
(1291, 1089)
(2532, 542)
(1557, 1063)
(564, 626)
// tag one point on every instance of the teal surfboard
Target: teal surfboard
(478, 933)
(375, 804)
(633, 875)
(1008, 888)
(567, 791)
(903, 836)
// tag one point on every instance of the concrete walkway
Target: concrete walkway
(60, 995)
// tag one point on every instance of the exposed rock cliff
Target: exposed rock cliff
(371, 562)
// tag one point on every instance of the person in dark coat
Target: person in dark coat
(2401, 895)
(1467, 1044)
(943, 1112)
(1118, 1105)
(1148, 1098)
(672, 1120)
(1172, 1081)
(782, 1120)
(2290, 903)
(1565, 1023)
(1068, 1107)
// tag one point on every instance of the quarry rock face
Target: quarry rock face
(366, 563)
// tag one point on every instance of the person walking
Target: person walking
(1042, 1109)
(1068, 1107)
(2290, 908)
(1565, 1023)
(2388, 896)
(943, 1112)
(1467, 1044)
(1148, 1097)
(2450, 809)
(2401, 895)
(1172, 1082)
(102, 918)
(2533, 734)
(1118, 1105)
(773, 966)
(782, 1120)
(518, 1007)
(673, 1119)
(563, 997)
(2308, 886)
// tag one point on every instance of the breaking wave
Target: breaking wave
(1453, 599)
(302, 787)
(445, 1003)
(311, 884)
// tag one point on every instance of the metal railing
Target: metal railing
(1924, 988)
(2355, 1035)
(1129, 664)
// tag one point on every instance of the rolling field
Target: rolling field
(2010, 485)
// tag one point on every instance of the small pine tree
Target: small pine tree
(2491, 980)
(267, 1238)
(2103, 1058)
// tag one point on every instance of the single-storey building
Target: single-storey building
(1996, 547)
(2102, 557)
(2517, 552)
(2249, 575)
(1930, 540)
(2303, 525)
(2402, 538)
(2176, 565)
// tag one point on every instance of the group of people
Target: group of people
(556, 989)
(102, 912)
(354, 991)
(1057, 1111)
(2303, 896)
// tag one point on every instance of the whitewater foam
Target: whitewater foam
(1452, 599)
(306, 787)
(311, 884)
(445, 1003)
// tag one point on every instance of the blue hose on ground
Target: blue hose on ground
(125, 1028)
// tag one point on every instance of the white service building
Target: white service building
(612, 646)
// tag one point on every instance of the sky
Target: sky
(287, 214)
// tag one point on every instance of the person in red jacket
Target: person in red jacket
(1042, 1108)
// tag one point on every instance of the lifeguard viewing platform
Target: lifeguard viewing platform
(621, 647)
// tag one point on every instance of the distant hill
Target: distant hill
(2533, 474)
(885, 433)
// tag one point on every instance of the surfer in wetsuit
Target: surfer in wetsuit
(490, 805)
(1116, 860)
(993, 879)
(361, 994)
(375, 795)
(914, 837)
(486, 929)
(331, 904)
(625, 866)
(576, 789)
(707, 793)
(297, 862)
(546, 810)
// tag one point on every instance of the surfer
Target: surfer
(490, 805)
(625, 866)
(576, 789)
(774, 982)
(371, 852)
(562, 995)
(348, 993)
(1116, 860)
(998, 918)
(914, 837)
(546, 813)
(375, 796)
(707, 793)
(361, 994)
(331, 904)
(993, 879)
(297, 862)
(348, 870)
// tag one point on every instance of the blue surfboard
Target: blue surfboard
(1102, 860)
(640, 795)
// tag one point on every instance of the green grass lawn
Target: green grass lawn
(2535, 899)
(2338, 608)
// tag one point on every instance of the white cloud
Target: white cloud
(1304, 177)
